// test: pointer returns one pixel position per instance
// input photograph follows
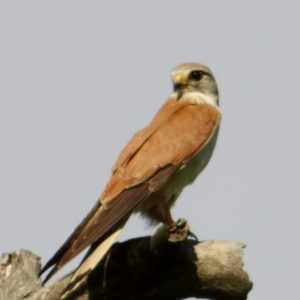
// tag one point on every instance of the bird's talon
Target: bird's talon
(181, 223)
(193, 236)
(178, 231)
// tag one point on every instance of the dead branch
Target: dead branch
(142, 268)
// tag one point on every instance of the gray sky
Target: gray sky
(78, 78)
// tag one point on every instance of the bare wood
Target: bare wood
(140, 269)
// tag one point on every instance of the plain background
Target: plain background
(78, 78)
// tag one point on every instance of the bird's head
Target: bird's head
(194, 78)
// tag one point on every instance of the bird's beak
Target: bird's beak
(179, 82)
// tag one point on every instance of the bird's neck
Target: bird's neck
(195, 97)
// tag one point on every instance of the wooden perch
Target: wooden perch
(142, 268)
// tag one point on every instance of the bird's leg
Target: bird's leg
(167, 220)
(179, 230)
(161, 214)
(172, 231)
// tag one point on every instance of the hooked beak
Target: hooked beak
(179, 82)
(177, 86)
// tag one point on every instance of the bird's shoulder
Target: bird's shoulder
(177, 131)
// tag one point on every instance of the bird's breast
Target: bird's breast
(183, 177)
(190, 171)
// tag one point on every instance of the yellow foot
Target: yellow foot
(178, 231)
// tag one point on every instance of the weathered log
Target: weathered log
(141, 268)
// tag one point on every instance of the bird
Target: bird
(152, 170)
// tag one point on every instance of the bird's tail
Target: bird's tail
(89, 263)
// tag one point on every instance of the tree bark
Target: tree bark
(210, 269)
(142, 268)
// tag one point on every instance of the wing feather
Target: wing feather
(184, 132)
(175, 135)
(102, 222)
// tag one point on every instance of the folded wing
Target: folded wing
(178, 132)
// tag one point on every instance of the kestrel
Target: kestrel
(153, 168)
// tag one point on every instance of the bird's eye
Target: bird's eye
(196, 75)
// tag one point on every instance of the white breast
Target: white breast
(190, 171)
(200, 98)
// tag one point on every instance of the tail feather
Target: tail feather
(89, 263)
(99, 226)
(96, 256)
(56, 260)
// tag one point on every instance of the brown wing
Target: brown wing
(177, 132)
(100, 223)
(169, 108)
(172, 140)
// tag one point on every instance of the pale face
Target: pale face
(196, 78)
